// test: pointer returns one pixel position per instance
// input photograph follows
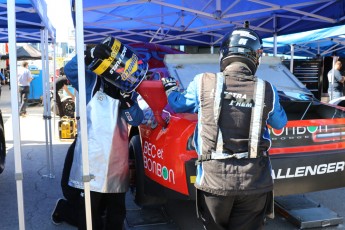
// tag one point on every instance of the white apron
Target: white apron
(108, 148)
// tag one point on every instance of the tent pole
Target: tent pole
(292, 50)
(275, 36)
(82, 109)
(47, 94)
(275, 45)
(54, 89)
(218, 5)
(15, 109)
(45, 102)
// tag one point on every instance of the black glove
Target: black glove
(170, 85)
(126, 100)
(100, 51)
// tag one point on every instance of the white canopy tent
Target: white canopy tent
(323, 42)
(32, 25)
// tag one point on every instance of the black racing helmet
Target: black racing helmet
(241, 45)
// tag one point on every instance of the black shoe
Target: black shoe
(55, 215)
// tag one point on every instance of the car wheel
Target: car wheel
(135, 154)
(68, 107)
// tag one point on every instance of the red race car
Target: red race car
(307, 155)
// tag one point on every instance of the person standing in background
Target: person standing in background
(24, 79)
(3, 81)
(336, 90)
(7, 75)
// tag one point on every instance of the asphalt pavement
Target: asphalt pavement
(41, 187)
(42, 162)
(41, 184)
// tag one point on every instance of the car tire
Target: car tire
(141, 198)
(68, 107)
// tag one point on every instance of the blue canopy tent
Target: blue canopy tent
(30, 19)
(25, 21)
(204, 22)
(181, 22)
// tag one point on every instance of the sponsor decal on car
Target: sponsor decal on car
(152, 156)
(295, 135)
(308, 170)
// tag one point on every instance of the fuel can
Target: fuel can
(66, 128)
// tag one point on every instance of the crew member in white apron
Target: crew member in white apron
(109, 111)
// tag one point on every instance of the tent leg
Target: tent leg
(46, 102)
(11, 12)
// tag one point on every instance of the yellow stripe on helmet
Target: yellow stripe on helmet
(107, 62)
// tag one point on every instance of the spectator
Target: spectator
(335, 90)
(24, 79)
(7, 74)
(3, 81)
(234, 182)
(109, 111)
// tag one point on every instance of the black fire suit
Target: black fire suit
(234, 182)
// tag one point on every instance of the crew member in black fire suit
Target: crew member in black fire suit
(234, 182)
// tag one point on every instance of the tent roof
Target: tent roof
(27, 52)
(203, 22)
(310, 43)
(29, 21)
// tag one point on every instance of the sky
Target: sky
(59, 14)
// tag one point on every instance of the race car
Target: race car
(307, 155)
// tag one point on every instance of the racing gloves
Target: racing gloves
(126, 100)
(100, 51)
(170, 85)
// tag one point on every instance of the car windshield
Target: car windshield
(184, 67)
